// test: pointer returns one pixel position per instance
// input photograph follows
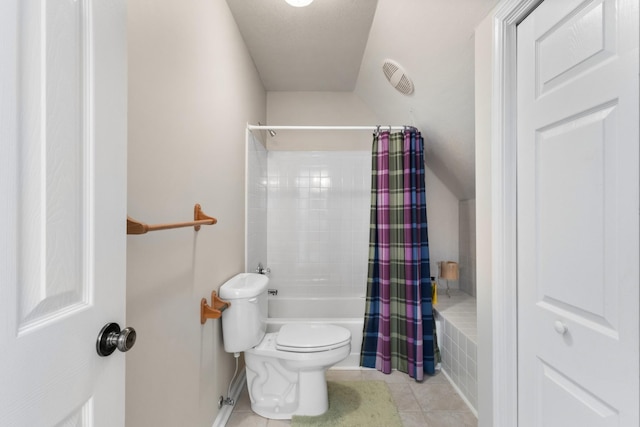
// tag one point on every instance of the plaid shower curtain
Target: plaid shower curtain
(398, 327)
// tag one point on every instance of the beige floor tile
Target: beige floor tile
(403, 397)
(399, 377)
(246, 419)
(435, 382)
(373, 375)
(468, 419)
(450, 419)
(413, 419)
(279, 423)
(438, 377)
(438, 396)
(392, 378)
(344, 375)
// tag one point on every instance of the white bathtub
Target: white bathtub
(347, 312)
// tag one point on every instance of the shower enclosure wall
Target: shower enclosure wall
(308, 222)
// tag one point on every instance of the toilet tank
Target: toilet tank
(244, 323)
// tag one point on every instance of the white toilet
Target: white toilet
(285, 369)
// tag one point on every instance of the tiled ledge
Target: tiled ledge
(457, 340)
(460, 310)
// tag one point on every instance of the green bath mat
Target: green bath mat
(354, 404)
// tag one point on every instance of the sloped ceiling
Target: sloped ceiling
(340, 45)
(313, 48)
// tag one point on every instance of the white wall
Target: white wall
(442, 220)
(483, 84)
(192, 89)
(467, 246)
(442, 104)
(319, 108)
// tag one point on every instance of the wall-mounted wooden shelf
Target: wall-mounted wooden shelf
(199, 218)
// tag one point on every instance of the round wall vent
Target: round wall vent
(397, 77)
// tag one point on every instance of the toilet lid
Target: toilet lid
(310, 337)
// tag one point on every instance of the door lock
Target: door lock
(111, 337)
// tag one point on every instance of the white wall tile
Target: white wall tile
(318, 219)
(256, 186)
(457, 346)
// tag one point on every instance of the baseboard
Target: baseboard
(225, 412)
(464, 398)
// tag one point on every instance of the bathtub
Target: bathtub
(347, 312)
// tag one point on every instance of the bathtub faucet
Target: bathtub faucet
(262, 270)
(273, 292)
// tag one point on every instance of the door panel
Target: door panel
(583, 38)
(568, 403)
(578, 234)
(572, 180)
(54, 246)
(63, 188)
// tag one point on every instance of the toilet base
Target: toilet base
(279, 399)
(291, 384)
(318, 403)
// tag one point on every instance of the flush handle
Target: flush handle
(111, 338)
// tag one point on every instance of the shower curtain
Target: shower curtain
(398, 327)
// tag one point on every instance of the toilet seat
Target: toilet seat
(311, 337)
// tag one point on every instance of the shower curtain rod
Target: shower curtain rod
(369, 128)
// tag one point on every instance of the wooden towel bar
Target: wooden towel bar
(199, 218)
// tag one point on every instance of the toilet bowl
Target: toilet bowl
(284, 381)
(285, 369)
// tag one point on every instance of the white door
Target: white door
(578, 189)
(62, 210)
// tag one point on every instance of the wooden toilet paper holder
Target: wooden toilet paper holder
(213, 311)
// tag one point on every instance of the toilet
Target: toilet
(285, 369)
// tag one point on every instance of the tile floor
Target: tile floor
(432, 403)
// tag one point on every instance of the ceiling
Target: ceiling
(340, 45)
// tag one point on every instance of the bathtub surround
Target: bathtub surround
(458, 342)
(256, 201)
(318, 207)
